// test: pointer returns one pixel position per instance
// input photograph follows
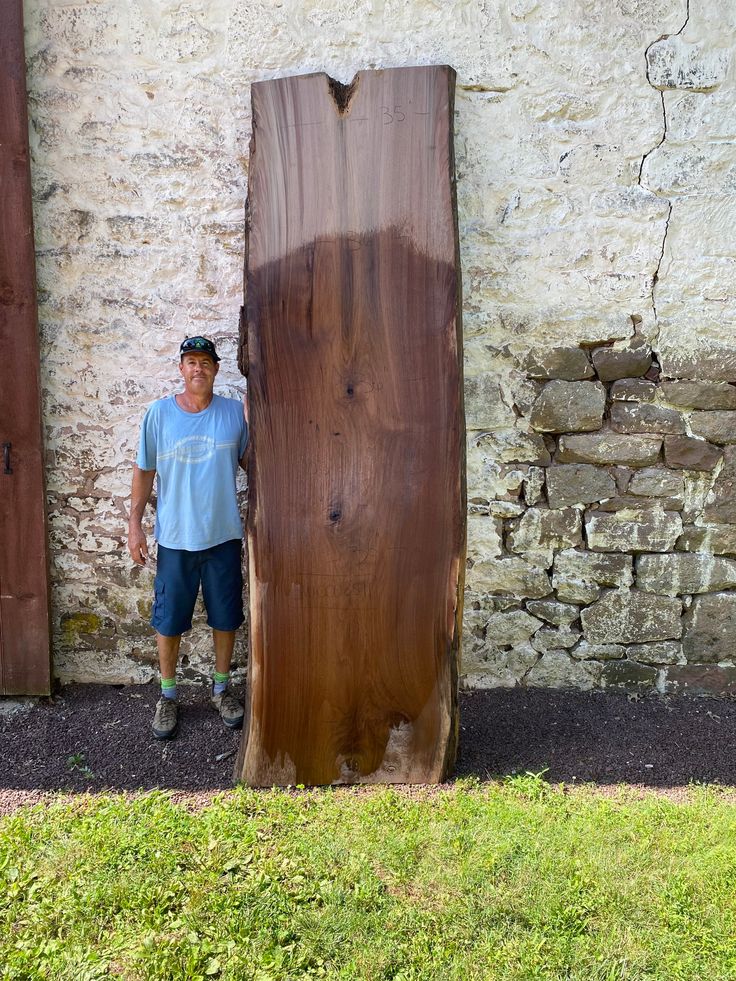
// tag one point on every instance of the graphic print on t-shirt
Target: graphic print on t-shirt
(191, 449)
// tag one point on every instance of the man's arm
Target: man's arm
(244, 458)
(139, 496)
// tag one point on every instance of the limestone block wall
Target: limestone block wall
(595, 176)
(619, 534)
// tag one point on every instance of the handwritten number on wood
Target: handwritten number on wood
(396, 116)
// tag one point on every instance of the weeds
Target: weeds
(78, 762)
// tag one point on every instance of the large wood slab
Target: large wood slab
(356, 526)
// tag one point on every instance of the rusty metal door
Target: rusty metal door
(25, 667)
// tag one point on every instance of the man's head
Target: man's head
(198, 365)
(198, 345)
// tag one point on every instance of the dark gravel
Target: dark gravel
(95, 737)
(599, 738)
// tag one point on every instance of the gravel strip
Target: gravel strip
(92, 738)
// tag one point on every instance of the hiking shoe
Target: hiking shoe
(230, 709)
(166, 719)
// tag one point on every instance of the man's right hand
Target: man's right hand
(137, 545)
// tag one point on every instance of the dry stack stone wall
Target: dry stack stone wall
(608, 556)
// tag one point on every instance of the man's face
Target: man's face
(198, 371)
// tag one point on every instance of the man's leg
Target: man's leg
(224, 642)
(230, 709)
(168, 654)
(222, 589)
(175, 593)
(166, 717)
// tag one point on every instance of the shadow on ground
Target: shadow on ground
(91, 737)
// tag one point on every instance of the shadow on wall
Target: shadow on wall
(95, 737)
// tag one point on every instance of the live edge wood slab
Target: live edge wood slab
(352, 344)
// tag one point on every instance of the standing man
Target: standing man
(192, 442)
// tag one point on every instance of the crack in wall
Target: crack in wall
(655, 275)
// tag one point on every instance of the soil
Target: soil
(90, 738)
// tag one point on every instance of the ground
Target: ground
(95, 737)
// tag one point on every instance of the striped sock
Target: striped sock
(168, 688)
(220, 683)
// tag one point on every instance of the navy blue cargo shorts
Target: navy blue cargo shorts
(177, 582)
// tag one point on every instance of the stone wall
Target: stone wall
(607, 557)
(595, 177)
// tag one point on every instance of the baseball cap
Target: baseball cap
(198, 345)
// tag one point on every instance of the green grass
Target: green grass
(509, 880)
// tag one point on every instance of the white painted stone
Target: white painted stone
(488, 480)
(697, 488)
(684, 573)
(569, 363)
(560, 614)
(660, 652)
(487, 453)
(710, 625)
(534, 485)
(629, 530)
(511, 628)
(565, 407)
(556, 669)
(510, 577)
(473, 632)
(484, 538)
(484, 407)
(542, 531)
(716, 538)
(606, 447)
(578, 575)
(505, 509)
(550, 639)
(487, 405)
(598, 652)
(697, 116)
(628, 616)
(674, 64)
(498, 669)
(570, 590)
(89, 667)
(595, 568)
(675, 170)
(656, 483)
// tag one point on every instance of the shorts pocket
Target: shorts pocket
(158, 611)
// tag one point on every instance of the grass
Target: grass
(508, 880)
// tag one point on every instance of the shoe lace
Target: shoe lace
(229, 701)
(167, 710)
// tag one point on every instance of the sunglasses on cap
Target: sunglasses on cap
(198, 345)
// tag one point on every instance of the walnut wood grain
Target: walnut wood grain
(356, 525)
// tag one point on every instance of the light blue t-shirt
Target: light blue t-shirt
(195, 456)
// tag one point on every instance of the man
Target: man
(192, 442)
